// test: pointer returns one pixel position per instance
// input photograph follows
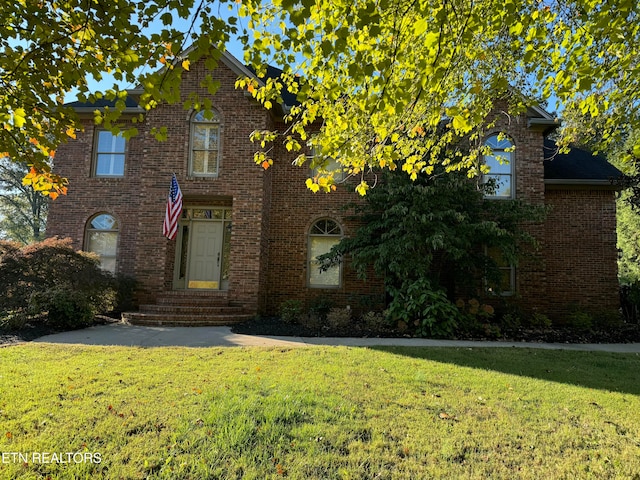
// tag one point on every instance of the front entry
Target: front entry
(204, 255)
(202, 249)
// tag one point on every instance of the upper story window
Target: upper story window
(330, 166)
(205, 145)
(109, 154)
(323, 236)
(500, 163)
(102, 238)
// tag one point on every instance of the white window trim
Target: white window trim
(215, 121)
(511, 174)
(311, 260)
(111, 153)
(116, 230)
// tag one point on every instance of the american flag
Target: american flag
(174, 210)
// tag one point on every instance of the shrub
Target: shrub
(418, 303)
(539, 320)
(339, 318)
(510, 321)
(51, 277)
(320, 307)
(12, 321)
(291, 311)
(375, 321)
(580, 320)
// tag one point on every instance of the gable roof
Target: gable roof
(578, 167)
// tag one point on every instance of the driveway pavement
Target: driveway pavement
(132, 335)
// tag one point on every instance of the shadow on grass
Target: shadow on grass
(614, 372)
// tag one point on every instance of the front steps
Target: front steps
(189, 309)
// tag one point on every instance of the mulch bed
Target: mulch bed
(39, 329)
(626, 333)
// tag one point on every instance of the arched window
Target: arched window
(102, 238)
(500, 163)
(323, 235)
(205, 145)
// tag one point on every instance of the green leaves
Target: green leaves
(373, 71)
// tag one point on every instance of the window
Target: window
(109, 154)
(500, 163)
(331, 165)
(205, 145)
(506, 283)
(324, 234)
(102, 238)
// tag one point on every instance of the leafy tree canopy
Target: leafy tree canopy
(434, 240)
(381, 78)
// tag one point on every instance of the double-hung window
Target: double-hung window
(501, 168)
(109, 154)
(205, 145)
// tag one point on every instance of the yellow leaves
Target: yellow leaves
(186, 64)
(18, 117)
(71, 132)
(362, 188)
(45, 182)
(461, 124)
(311, 185)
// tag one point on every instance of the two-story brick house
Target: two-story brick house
(248, 238)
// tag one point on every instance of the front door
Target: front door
(205, 255)
(202, 249)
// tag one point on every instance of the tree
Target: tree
(378, 77)
(49, 49)
(431, 240)
(23, 211)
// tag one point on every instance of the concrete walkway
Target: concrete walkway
(132, 335)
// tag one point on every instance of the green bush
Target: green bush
(418, 303)
(539, 320)
(339, 318)
(51, 278)
(291, 311)
(320, 307)
(375, 321)
(580, 320)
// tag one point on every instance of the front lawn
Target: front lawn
(317, 413)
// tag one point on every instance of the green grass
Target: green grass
(319, 413)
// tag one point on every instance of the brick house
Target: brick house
(247, 238)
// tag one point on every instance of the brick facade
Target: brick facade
(272, 212)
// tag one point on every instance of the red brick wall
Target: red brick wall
(88, 196)
(138, 200)
(294, 209)
(528, 158)
(581, 251)
(272, 212)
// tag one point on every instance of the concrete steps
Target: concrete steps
(189, 309)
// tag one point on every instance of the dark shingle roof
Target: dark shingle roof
(579, 166)
(101, 103)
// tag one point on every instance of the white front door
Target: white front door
(205, 255)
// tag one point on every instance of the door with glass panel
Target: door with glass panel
(202, 253)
